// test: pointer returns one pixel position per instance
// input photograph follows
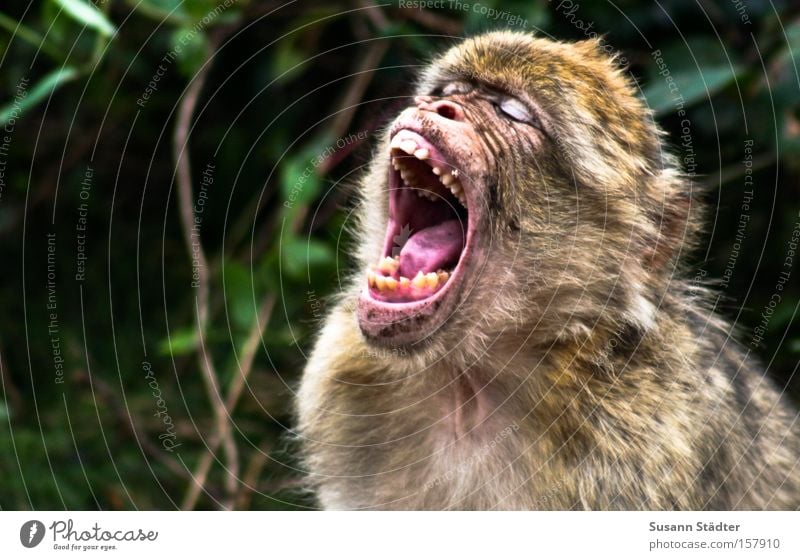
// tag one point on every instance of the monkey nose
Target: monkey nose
(443, 107)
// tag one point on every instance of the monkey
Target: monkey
(520, 332)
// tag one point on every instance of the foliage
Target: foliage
(99, 338)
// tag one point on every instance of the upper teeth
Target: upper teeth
(448, 179)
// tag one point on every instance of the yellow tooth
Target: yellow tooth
(388, 265)
(408, 146)
(408, 177)
(380, 281)
(443, 276)
(446, 179)
(371, 279)
(419, 280)
(404, 282)
(455, 188)
(432, 279)
(391, 283)
(437, 171)
(422, 153)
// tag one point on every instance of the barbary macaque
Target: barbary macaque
(519, 333)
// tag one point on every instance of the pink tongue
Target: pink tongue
(432, 248)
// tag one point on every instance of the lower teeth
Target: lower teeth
(381, 277)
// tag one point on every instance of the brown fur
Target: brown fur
(582, 370)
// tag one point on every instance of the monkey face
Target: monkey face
(510, 148)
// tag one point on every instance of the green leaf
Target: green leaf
(300, 180)
(25, 99)
(300, 183)
(181, 342)
(239, 300)
(300, 256)
(191, 47)
(780, 89)
(88, 14)
(211, 12)
(287, 56)
(160, 10)
(690, 73)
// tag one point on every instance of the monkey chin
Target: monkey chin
(429, 246)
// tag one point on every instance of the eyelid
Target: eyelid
(515, 109)
(457, 87)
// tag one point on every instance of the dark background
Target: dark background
(263, 90)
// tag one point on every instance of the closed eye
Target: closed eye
(516, 110)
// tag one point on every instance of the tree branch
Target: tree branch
(194, 247)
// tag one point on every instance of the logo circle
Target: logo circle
(31, 533)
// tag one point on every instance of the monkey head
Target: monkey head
(524, 186)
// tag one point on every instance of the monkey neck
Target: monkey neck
(468, 404)
(545, 384)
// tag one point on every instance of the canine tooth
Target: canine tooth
(422, 153)
(408, 146)
(432, 279)
(419, 280)
(391, 283)
(371, 279)
(437, 171)
(404, 282)
(446, 179)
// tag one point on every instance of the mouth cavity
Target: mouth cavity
(427, 227)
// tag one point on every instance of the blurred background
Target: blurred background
(175, 176)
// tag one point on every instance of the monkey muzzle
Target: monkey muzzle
(415, 285)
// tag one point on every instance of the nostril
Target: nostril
(447, 110)
(443, 107)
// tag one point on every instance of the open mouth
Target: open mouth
(427, 239)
